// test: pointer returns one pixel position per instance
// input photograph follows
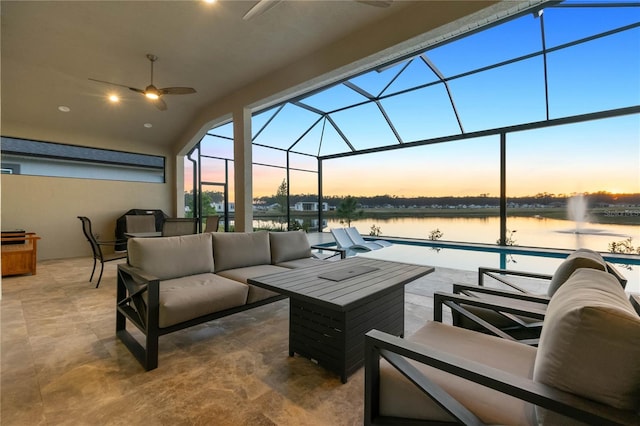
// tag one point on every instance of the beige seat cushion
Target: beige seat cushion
(243, 274)
(590, 342)
(400, 398)
(239, 249)
(172, 257)
(581, 258)
(185, 298)
(287, 246)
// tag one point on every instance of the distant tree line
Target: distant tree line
(594, 199)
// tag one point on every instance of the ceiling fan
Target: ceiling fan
(152, 92)
(263, 5)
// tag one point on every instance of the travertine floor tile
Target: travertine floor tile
(62, 365)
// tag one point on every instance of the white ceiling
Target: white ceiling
(51, 48)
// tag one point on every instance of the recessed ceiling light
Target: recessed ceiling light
(210, 1)
(148, 125)
(64, 108)
(114, 98)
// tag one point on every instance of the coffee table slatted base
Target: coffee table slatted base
(335, 338)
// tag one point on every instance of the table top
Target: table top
(306, 283)
(143, 234)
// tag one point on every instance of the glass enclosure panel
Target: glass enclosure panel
(416, 74)
(375, 81)
(333, 98)
(304, 200)
(215, 146)
(595, 76)
(304, 162)
(223, 130)
(504, 96)
(422, 114)
(286, 127)
(572, 186)
(365, 127)
(451, 187)
(566, 24)
(494, 45)
(270, 156)
(323, 139)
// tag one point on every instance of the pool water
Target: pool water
(472, 259)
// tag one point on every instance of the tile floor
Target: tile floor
(61, 363)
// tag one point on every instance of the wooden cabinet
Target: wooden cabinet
(19, 253)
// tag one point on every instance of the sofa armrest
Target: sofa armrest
(132, 284)
(395, 350)
(337, 251)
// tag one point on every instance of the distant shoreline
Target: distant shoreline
(608, 215)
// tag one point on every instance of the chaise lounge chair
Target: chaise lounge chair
(357, 238)
(345, 243)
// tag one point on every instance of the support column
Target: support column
(242, 171)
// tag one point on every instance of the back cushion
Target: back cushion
(590, 341)
(172, 257)
(287, 246)
(581, 258)
(239, 249)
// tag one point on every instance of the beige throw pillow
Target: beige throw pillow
(590, 341)
(239, 249)
(172, 257)
(581, 258)
(287, 246)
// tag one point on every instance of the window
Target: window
(27, 157)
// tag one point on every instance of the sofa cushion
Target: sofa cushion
(172, 257)
(289, 245)
(186, 298)
(243, 274)
(581, 258)
(239, 249)
(400, 398)
(590, 341)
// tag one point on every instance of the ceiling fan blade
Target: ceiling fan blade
(159, 103)
(177, 90)
(116, 84)
(259, 8)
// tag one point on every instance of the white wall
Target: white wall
(49, 206)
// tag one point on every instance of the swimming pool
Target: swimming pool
(470, 257)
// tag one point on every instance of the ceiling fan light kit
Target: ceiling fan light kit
(151, 92)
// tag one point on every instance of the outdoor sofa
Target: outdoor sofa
(584, 371)
(171, 283)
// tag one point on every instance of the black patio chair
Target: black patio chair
(97, 250)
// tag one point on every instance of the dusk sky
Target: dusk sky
(602, 155)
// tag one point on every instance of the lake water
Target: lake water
(529, 232)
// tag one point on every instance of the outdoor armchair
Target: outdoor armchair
(585, 368)
(140, 223)
(494, 309)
